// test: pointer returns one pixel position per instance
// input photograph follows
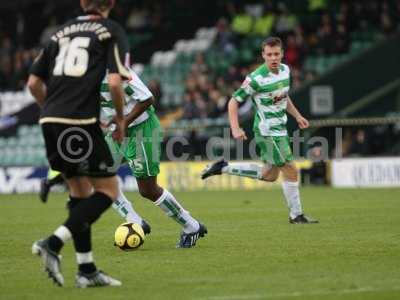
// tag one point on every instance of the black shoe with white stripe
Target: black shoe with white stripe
(214, 169)
(188, 240)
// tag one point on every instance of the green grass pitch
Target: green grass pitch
(251, 251)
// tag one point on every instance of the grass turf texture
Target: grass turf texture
(251, 251)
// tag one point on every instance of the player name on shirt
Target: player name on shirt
(101, 31)
(80, 51)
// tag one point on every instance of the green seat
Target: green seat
(6, 160)
(23, 130)
(12, 160)
(3, 142)
(320, 64)
(12, 142)
(246, 55)
(356, 46)
(310, 63)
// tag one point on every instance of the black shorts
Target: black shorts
(78, 150)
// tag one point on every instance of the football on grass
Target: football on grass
(129, 236)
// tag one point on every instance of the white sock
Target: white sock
(292, 196)
(124, 207)
(250, 170)
(84, 258)
(174, 210)
(63, 233)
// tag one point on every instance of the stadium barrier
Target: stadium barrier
(366, 172)
(177, 176)
(185, 176)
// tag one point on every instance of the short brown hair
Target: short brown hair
(94, 5)
(272, 42)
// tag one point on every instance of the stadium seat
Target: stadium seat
(3, 142)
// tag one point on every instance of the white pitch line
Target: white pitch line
(300, 294)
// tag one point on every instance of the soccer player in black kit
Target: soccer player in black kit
(65, 80)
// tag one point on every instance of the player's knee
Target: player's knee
(270, 174)
(290, 172)
(271, 177)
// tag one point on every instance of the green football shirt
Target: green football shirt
(269, 93)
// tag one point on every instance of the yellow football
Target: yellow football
(129, 236)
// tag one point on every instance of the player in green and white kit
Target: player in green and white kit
(141, 150)
(268, 88)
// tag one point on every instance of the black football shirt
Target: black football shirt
(73, 65)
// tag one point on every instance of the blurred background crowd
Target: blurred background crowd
(318, 36)
(308, 28)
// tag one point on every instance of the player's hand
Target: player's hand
(119, 132)
(239, 134)
(303, 122)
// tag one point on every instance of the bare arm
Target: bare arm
(292, 110)
(138, 109)
(37, 88)
(117, 96)
(233, 108)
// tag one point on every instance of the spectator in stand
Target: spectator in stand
(342, 17)
(286, 21)
(224, 39)
(203, 86)
(309, 76)
(315, 5)
(296, 78)
(342, 40)
(386, 23)
(332, 36)
(222, 86)
(194, 106)
(6, 47)
(242, 22)
(264, 24)
(326, 42)
(191, 84)
(199, 66)
(200, 104)
(355, 15)
(232, 74)
(20, 70)
(137, 19)
(156, 16)
(359, 145)
(189, 107)
(292, 52)
(217, 105)
(6, 74)
(299, 37)
(317, 173)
